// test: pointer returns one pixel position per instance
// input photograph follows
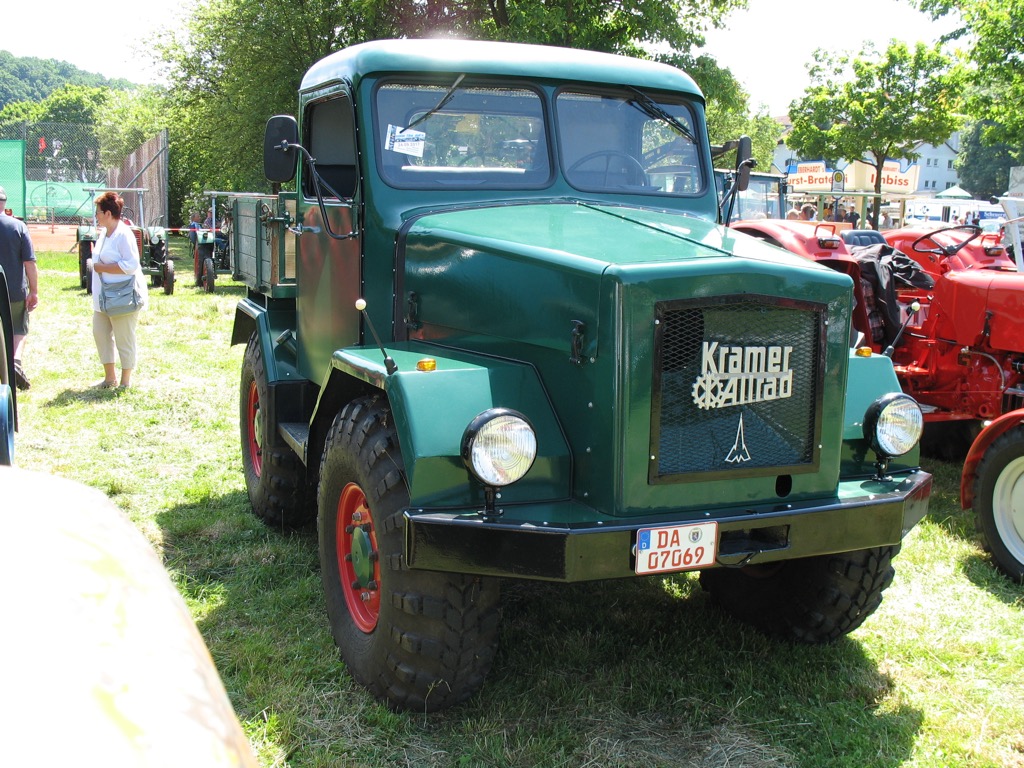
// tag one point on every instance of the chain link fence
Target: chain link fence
(60, 173)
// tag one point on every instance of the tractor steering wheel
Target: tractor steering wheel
(629, 164)
(946, 250)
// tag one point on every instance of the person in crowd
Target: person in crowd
(808, 212)
(18, 260)
(840, 213)
(193, 228)
(793, 213)
(115, 255)
(852, 216)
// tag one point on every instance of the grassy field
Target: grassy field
(627, 673)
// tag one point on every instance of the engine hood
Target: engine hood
(593, 236)
(533, 272)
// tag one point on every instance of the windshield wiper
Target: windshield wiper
(439, 106)
(651, 108)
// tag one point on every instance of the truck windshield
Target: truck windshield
(468, 136)
(628, 142)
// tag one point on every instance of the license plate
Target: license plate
(679, 548)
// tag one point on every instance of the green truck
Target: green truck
(498, 331)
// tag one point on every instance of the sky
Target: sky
(767, 46)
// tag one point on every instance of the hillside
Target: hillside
(26, 78)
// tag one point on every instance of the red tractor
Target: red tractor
(955, 332)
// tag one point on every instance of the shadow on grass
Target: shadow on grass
(621, 673)
(91, 393)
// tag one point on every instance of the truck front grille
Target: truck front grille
(737, 387)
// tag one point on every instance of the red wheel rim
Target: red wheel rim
(358, 560)
(254, 430)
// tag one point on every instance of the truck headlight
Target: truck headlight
(499, 447)
(893, 424)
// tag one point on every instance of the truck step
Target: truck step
(296, 434)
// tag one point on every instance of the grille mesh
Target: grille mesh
(737, 386)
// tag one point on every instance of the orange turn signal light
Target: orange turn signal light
(863, 352)
(426, 364)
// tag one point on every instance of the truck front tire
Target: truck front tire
(419, 640)
(999, 502)
(809, 600)
(274, 476)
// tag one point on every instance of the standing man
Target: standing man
(19, 263)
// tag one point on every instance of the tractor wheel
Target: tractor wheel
(419, 640)
(197, 266)
(274, 476)
(84, 254)
(168, 277)
(88, 280)
(809, 600)
(999, 502)
(209, 275)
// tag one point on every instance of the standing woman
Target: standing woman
(115, 255)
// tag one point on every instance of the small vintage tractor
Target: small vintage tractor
(211, 250)
(958, 348)
(152, 243)
(498, 331)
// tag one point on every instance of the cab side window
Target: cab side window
(330, 138)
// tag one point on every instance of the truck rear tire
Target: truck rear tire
(809, 600)
(274, 476)
(419, 640)
(999, 502)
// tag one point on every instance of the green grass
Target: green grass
(626, 673)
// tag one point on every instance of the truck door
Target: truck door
(327, 267)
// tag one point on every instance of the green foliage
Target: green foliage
(995, 48)
(226, 86)
(29, 79)
(873, 107)
(129, 119)
(727, 107)
(984, 168)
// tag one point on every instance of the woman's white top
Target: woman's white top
(119, 248)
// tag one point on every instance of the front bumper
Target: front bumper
(863, 514)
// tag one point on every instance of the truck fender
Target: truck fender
(252, 318)
(981, 443)
(432, 409)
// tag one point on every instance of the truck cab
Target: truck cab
(498, 331)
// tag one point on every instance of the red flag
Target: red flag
(42, 144)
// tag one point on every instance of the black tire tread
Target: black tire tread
(1001, 452)
(278, 496)
(437, 632)
(809, 600)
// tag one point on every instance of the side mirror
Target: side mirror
(279, 161)
(743, 154)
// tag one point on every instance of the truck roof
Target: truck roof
(491, 58)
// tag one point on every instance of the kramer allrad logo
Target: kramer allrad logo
(741, 375)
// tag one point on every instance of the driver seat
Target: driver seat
(862, 237)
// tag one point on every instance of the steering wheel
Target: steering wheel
(630, 163)
(947, 250)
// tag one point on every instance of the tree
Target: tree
(227, 86)
(984, 168)
(876, 107)
(727, 107)
(994, 32)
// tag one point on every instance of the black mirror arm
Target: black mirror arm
(318, 182)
